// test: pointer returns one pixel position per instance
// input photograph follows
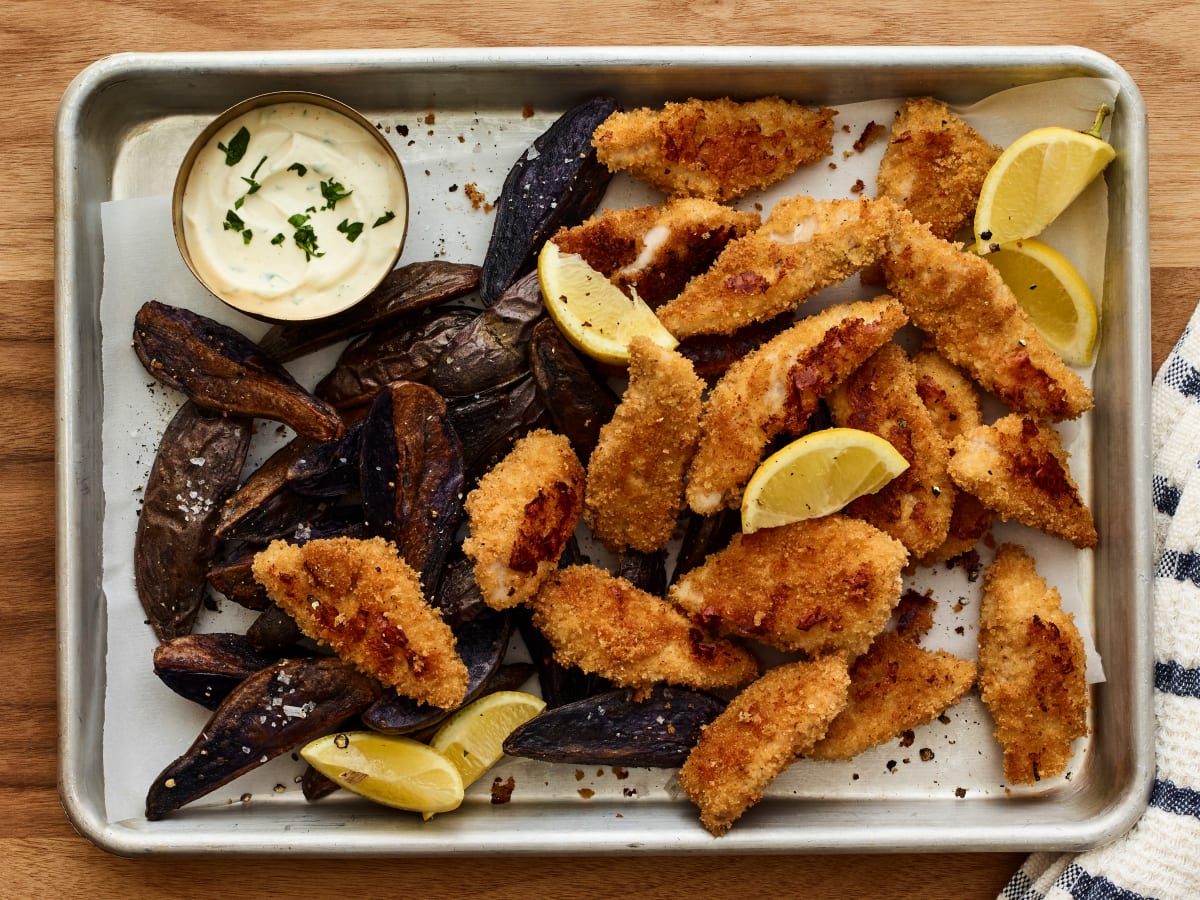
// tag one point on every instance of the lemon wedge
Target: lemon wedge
(394, 771)
(1036, 178)
(473, 738)
(817, 475)
(1054, 295)
(591, 311)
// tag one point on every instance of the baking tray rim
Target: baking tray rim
(85, 810)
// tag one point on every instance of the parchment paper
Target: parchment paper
(147, 725)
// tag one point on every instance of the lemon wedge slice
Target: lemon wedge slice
(591, 311)
(394, 771)
(473, 738)
(1054, 295)
(1035, 179)
(817, 475)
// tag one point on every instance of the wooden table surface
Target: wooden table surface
(43, 45)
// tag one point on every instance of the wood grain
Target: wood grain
(43, 46)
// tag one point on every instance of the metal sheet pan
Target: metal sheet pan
(124, 118)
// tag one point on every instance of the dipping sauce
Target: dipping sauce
(293, 211)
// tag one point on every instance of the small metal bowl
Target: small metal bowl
(317, 307)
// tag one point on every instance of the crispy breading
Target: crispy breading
(803, 246)
(881, 398)
(775, 389)
(1031, 668)
(953, 402)
(366, 603)
(819, 586)
(521, 515)
(656, 249)
(959, 299)
(934, 165)
(894, 686)
(1018, 468)
(718, 149)
(762, 731)
(635, 475)
(605, 625)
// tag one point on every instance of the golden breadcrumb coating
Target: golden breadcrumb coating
(717, 149)
(1018, 469)
(605, 625)
(805, 245)
(635, 475)
(953, 402)
(819, 586)
(1031, 668)
(365, 602)
(934, 165)
(656, 249)
(762, 731)
(894, 686)
(881, 398)
(774, 389)
(962, 303)
(521, 515)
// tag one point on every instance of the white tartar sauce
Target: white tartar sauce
(307, 218)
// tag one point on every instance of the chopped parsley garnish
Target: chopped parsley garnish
(247, 235)
(237, 204)
(305, 237)
(298, 168)
(350, 229)
(237, 147)
(278, 239)
(254, 185)
(384, 219)
(233, 222)
(333, 191)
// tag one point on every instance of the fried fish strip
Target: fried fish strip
(1018, 468)
(635, 475)
(656, 249)
(962, 303)
(717, 149)
(775, 389)
(881, 397)
(1032, 663)
(604, 625)
(953, 403)
(521, 515)
(934, 165)
(366, 603)
(819, 586)
(804, 245)
(762, 731)
(894, 686)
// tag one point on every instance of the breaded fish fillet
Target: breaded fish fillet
(819, 586)
(953, 403)
(934, 165)
(1031, 668)
(606, 626)
(717, 149)
(894, 686)
(803, 246)
(521, 515)
(881, 398)
(962, 303)
(775, 389)
(762, 731)
(365, 602)
(635, 475)
(1018, 468)
(656, 249)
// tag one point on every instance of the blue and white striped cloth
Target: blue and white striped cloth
(1160, 856)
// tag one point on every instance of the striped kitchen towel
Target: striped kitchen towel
(1160, 856)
